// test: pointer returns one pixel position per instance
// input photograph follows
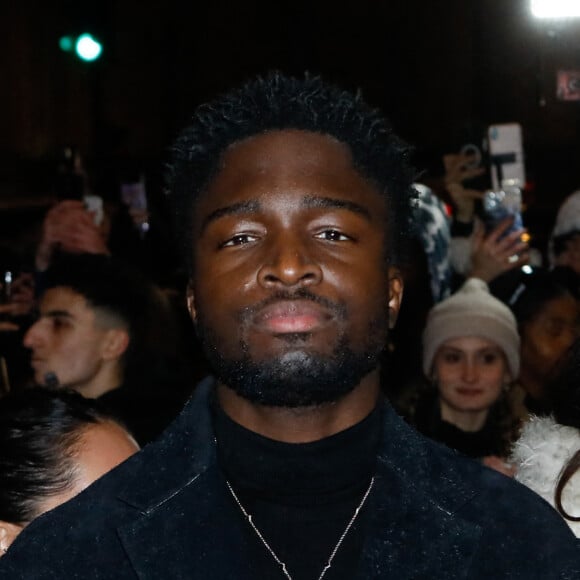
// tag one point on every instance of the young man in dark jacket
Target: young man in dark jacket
(293, 199)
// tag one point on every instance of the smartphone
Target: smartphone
(94, 205)
(500, 204)
(506, 156)
(478, 155)
(134, 195)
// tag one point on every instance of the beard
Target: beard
(299, 377)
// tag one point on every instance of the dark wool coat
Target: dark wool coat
(166, 514)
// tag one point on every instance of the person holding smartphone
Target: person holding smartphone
(477, 251)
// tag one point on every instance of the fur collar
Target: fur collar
(539, 455)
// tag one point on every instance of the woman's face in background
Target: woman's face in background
(548, 336)
(470, 373)
(570, 257)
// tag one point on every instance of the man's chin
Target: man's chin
(301, 371)
(290, 398)
(295, 379)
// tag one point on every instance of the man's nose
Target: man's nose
(32, 336)
(289, 262)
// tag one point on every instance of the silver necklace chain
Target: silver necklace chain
(336, 547)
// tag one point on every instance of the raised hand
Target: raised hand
(69, 227)
(494, 253)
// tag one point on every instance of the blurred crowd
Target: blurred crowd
(95, 331)
(485, 358)
(98, 307)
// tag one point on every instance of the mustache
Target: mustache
(336, 308)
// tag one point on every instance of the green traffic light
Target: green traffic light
(88, 48)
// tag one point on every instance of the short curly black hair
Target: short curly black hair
(278, 102)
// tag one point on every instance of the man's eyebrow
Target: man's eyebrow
(57, 313)
(250, 206)
(331, 202)
(253, 206)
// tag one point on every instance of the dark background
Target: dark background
(440, 70)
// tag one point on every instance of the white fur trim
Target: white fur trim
(539, 455)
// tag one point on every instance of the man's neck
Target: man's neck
(108, 379)
(303, 424)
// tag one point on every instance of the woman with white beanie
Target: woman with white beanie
(470, 357)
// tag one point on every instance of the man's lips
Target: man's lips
(292, 316)
(36, 362)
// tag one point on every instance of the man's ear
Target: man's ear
(8, 533)
(116, 343)
(395, 294)
(191, 302)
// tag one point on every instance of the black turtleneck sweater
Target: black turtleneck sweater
(489, 440)
(302, 496)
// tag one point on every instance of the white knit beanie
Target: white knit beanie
(567, 222)
(472, 311)
(568, 218)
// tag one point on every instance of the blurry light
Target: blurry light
(66, 43)
(527, 269)
(88, 48)
(525, 237)
(555, 8)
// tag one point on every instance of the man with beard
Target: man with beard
(293, 198)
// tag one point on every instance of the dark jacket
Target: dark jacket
(145, 412)
(166, 514)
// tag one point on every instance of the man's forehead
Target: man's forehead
(315, 164)
(63, 299)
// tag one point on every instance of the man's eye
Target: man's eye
(332, 236)
(59, 323)
(239, 240)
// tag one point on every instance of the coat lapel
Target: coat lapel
(181, 517)
(415, 530)
(184, 522)
(410, 536)
(194, 531)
